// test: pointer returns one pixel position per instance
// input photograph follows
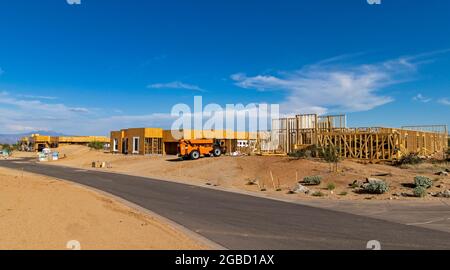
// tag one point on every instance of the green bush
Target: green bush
(378, 187)
(312, 180)
(420, 192)
(411, 159)
(331, 186)
(96, 145)
(307, 152)
(298, 154)
(6, 147)
(422, 181)
(331, 154)
(343, 193)
(318, 194)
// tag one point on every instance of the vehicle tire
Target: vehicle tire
(195, 155)
(217, 152)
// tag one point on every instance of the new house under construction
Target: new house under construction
(36, 142)
(156, 141)
(289, 135)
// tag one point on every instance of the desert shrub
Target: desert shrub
(331, 186)
(312, 180)
(7, 148)
(343, 193)
(420, 192)
(355, 184)
(307, 152)
(422, 181)
(318, 194)
(330, 154)
(96, 145)
(378, 187)
(411, 159)
(298, 154)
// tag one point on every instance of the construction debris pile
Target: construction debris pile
(101, 164)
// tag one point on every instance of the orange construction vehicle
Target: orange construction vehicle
(194, 149)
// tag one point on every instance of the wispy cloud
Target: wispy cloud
(34, 104)
(79, 110)
(38, 97)
(19, 114)
(422, 98)
(18, 128)
(176, 85)
(329, 86)
(444, 101)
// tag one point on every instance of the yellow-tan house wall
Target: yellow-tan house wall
(130, 134)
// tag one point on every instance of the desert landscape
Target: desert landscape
(272, 176)
(39, 212)
(234, 130)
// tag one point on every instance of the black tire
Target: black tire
(217, 152)
(195, 155)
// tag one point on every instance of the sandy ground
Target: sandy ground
(235, 173)
(38, 212)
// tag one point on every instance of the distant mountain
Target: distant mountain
(14, 138)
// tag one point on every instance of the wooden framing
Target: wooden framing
(370, 144)
(153, 146)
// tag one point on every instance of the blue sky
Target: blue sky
(112, 64)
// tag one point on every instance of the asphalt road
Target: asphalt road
(238, 221)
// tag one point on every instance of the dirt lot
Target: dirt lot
(235, 173)
(38, 212)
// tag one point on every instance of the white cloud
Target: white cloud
(18, 115)
(38, 97)
(422, 98)
(328, 87)
(444, 101)
(30, 105)
(175, 85)
(22, 129)
(79, 110)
